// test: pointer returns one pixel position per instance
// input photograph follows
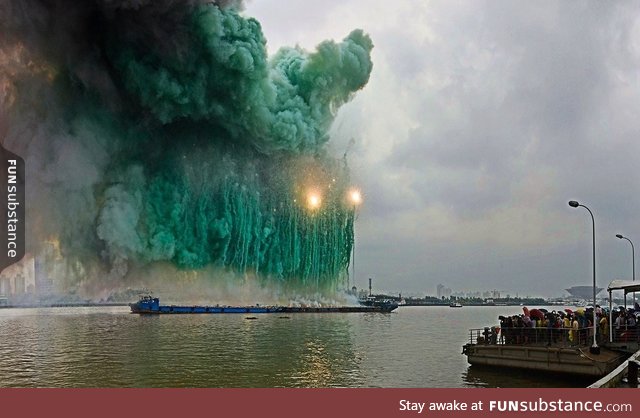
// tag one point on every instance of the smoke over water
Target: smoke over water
(158, 136)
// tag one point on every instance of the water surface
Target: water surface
(109, 347)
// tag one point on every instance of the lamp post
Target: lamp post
(356, 198)
(594, 348)
(633, 263)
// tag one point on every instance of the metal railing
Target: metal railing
(625, 334)
(557, 337)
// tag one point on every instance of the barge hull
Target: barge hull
(241, 310)
(148, 305)
(575, 361)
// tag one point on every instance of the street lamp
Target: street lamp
(633, 263)
(594, 348)
(355, 197)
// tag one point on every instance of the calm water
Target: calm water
(109, 347)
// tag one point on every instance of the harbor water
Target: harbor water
(110, 347)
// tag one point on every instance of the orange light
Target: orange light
(314, 201)
(355, 196)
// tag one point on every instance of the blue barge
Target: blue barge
(151, 305)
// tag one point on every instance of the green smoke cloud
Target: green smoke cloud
(194, 146)
(285, 104)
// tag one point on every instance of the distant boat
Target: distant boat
(455, 305)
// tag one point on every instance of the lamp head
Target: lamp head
(573, 204)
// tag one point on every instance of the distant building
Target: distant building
(443, 292)
(491, 294)
(44, 282)
(583, 292)
(50, 270)
(17, 280)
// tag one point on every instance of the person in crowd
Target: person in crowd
(494, 335)
(603, 327)
(620, 324)
(575, 326)
(566, 324)
(631, 326)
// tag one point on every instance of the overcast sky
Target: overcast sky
(481, 120)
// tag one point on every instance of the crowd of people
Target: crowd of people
(564, 327)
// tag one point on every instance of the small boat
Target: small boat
(150, 305)
(372, 301)
(455, 305)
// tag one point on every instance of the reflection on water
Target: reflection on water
(108, 347)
